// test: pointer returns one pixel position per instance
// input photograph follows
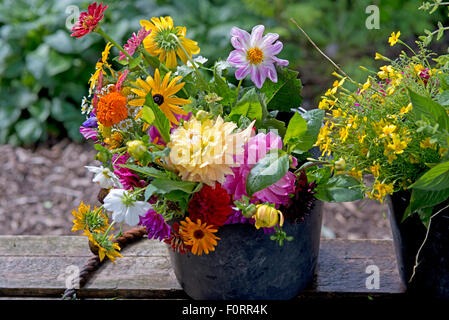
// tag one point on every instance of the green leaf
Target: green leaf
(29, 130)
(424, 107)
(423, 199)
(248, 106)
(148, 115)
(146, 171)
(340, 188)
(57, 63)
(304, 141)
(221, 88)
(444, 81)
(160, 119)
(443, 99)
(296, 129)
(273, 124)
(285, 94)
(319, 175)
(435, 179)
(267, 171)
(163, 186)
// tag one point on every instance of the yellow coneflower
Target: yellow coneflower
(86, 219)
(163, 94)
(161, 42)
(106, 247)
(200, 236)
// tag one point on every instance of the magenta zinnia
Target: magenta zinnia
(156, 226)
(255, 55)
(89, 20)
(134, 42)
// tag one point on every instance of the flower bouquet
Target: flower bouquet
(391, 133)
(204, 164)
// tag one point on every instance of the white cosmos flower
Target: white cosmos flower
(125, 207)
(104, 177)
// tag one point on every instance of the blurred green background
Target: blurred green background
(44, 72)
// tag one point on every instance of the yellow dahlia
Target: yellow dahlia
(163, 94)
(160, 42)
(203, 151)
(200, 236)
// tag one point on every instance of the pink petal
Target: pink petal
(256, 35)
(242, 72)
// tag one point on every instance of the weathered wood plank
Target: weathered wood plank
(39, 266)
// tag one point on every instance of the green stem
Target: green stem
(107, 231)
(238, 90)
(198, 73)
(108, 38)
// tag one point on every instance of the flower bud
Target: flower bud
(340, 164)
(136, 148)
(267, 217)
(202, 115)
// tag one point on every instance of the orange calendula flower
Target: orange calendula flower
(200, 236)
(112, 109)
(161, 42)
(163, 92)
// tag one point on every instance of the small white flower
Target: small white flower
(124, 124)
(104, 177)
(198, 60)
(125, 207)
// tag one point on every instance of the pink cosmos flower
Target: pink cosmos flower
(134, 42)
(255, 150)
(255, 55)
(89, 20)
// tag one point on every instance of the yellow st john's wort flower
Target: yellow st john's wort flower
(365, 86)
(203, 151)
(103, 62)
(397, 145)
(380, 190)
(161, 42)
(394, 38)
(427, 144)
(406, 109)
(267, 216)
(163, 93)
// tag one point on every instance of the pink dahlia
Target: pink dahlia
(255, 150)
(89, 20)
(134, 42)
(255, 54)
(127, 177)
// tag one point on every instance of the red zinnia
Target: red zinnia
(210, 205)
(88, 20)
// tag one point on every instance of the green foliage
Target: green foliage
(340, 188)
(302, 131)
(267, 171)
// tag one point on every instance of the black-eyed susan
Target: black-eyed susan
(200, 236)
(161, 42)
(163, 94)
(106, 246)
(86, 219)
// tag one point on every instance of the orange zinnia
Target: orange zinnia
(112, 109)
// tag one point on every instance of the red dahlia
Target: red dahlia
(88, 20)
(211, 205)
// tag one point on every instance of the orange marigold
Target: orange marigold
(111, 109)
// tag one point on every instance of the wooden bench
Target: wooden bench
(38, 266)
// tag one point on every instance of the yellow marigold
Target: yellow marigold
(203, 151)
(375, 169)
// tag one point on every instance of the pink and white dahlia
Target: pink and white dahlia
(255, 55)
(255, 150)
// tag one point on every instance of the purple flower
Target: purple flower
(127, 177)
(134, 42)
(255, 150)
(155, 135)
(255, 54)
(156, 226)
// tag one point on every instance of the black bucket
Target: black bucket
(431, 278)
(247, 265)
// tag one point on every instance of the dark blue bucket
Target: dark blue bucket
(247, 265)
